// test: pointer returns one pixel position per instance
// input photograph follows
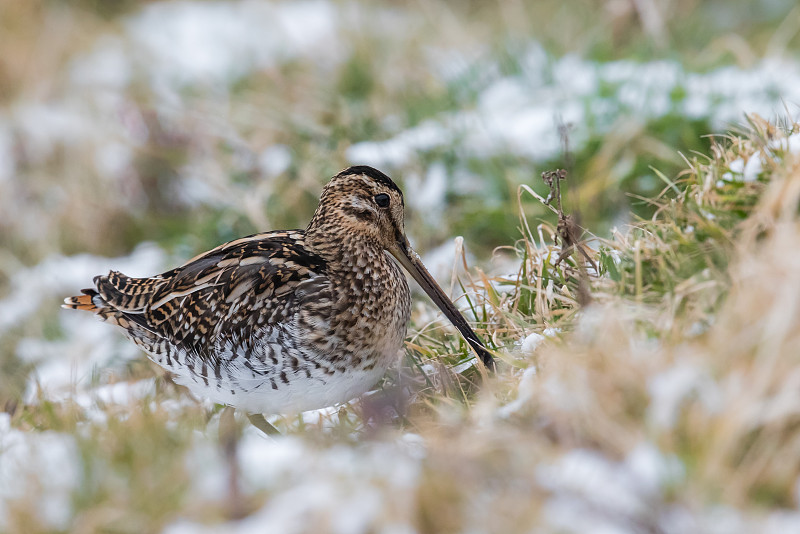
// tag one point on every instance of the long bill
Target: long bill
(411, 262)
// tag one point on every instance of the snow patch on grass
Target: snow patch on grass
(750, 169)
(336, 489)
(61, 276)
(187, 43)
(521, 114)
(86, 344)
(7, 166)
(41, 464)
(592, 493)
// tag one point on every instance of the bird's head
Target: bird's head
(361, 206)
(363, 203)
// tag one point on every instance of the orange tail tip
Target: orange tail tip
(83, 302)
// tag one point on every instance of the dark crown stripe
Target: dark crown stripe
(373, 173)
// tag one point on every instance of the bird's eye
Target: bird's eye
(382, 200)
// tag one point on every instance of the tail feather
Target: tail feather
(125, 293)
(89, 301)
(135, 326)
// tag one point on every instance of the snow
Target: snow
(209, 46)
(45, 464)
(463, 366)
(789, 144)
(106, 66)
(525, 392)
(216, 43)
(521, 114)
(87, 344)
(275, 160)
(651, 469)
(337, 489)
(589, 492)
(7, 163)
(113, 158)
(44, 126)
(168, 46)
(429, 193)
(63, 364)
(120, 393)
(61, 276)
(671, 388)
(750, 170)
(588, 476)
(551, 332)
(780, 522)
(737, 166)
(531, 343)
(413, 445)
(402, 148)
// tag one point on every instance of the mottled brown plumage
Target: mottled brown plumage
(286, 320)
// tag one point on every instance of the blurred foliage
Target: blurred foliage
(319, 112)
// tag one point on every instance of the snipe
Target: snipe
(287, 320)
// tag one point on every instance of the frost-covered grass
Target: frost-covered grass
(657, 394)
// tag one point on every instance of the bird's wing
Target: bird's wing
(227, 294)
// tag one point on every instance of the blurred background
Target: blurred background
(190, 123)
(134, 135)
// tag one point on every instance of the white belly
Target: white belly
(272, 380)
(300, 394)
